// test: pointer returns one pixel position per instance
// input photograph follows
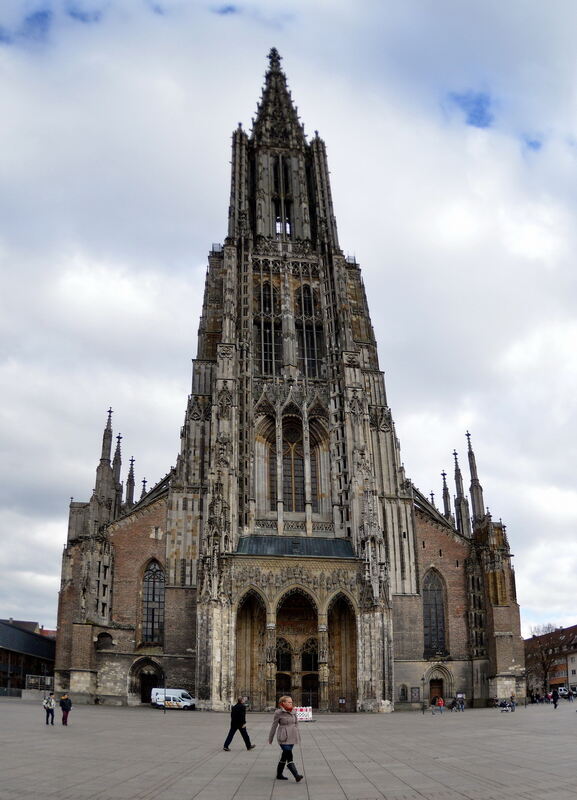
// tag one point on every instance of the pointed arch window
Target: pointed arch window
(153, 604)
(272, 475)
(283, 656)
(434, 615)
(267, 329)
(293, 467)
(310, 656)
(282, 204)
(309, 332)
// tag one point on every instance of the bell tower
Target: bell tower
(288, 442)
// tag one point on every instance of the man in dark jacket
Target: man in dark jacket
(238, 723)
(65, 705)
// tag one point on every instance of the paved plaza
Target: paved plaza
(143, 754)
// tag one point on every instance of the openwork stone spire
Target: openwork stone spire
(277, 121)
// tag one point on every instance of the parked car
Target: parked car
(172, 698)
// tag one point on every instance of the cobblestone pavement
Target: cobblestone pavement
(119, 754)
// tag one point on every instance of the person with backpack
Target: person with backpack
(49, 704)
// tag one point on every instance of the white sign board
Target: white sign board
(304, 713)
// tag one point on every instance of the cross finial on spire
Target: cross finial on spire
(274, 58)
(432, 496)
(468, 435)
(455, 454)
(110, 412)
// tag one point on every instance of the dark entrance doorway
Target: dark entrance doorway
(145, 676)
(283, 684)
(148, 682)
(436, 688)
(310, 691)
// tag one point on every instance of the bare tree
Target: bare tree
(540, 654)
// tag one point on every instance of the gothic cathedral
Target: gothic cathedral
(286, 552)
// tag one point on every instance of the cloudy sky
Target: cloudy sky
(451, 128)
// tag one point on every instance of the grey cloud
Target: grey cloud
(114, 172)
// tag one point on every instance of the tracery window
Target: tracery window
(434, 614)
(153, 604)
(272, 472)
(309, 332)
(267, 330)
(283, 656)
(293, 468)
(315, 478)
(310, 656)
(282, 203)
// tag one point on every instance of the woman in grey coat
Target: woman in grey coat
(285, 723)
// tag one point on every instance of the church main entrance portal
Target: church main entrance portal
(250, 652)
(297, 648)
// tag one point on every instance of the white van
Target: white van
(172, 698)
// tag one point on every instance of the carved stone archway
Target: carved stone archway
(296, 624)
(145, 675)
(250, 676)
(342, 655)
(439, 680)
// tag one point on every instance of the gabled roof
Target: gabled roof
(426, 507)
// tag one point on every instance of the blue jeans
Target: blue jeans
(287, 753)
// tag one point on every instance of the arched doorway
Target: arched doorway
(145, 675)
(436, 689)
(250, 651)
(342, 629)
(296, 626)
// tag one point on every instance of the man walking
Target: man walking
(555, 698)
(65, 705)
(49, 704)
(238, 723)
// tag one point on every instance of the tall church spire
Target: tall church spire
(277, 121)
(117, 462)
(446, 497)
(476, 489)
(107, 439)
(462, 515)
(130, 485)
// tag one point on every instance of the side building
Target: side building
(286, 552)
(551, 660)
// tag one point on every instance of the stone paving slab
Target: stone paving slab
(110, 753)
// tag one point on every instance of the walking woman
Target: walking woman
(285, 720)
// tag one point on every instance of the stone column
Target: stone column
(323, 666)
(270, 670)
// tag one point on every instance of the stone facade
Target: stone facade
(286, 552)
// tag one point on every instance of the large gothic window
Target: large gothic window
(293, 467)
(267, 330)
(434, 614)
(283, 656)
(309, 332)
(153, 604)
(282, 203)
(310, 656)
(272, 471)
